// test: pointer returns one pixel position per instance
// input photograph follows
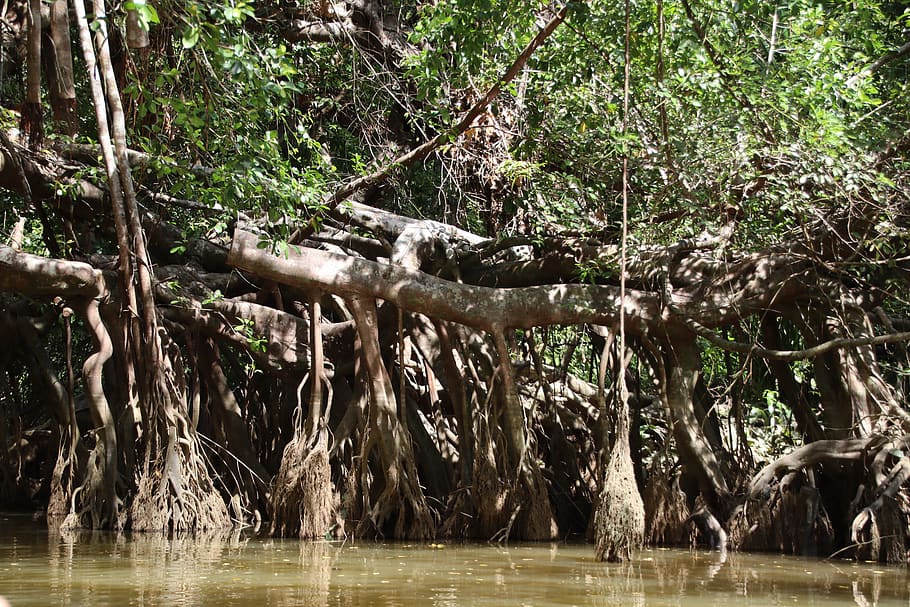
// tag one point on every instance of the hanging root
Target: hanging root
(174, 492)
(303, 499)
(665, 508)
(492, 496)
(62, 478)
(619, 524)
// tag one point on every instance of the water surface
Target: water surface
(38, 567)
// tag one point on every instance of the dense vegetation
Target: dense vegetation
(468, 268)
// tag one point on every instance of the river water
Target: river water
(38, 567)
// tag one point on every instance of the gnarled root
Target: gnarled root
(63, 477)
(401, 496)
(880, 529)
(174, 491)
(94, 500)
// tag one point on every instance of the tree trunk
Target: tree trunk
(684, 364)
(61, 88)
(174, 490)
(31, 119)
(793, 393)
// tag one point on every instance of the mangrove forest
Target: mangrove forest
(627, 272)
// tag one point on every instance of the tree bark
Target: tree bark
(37, 276)
(61, 87)
(684, 364)
(31, 119)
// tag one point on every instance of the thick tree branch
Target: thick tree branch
(480, 307)
(39, 276)
(809, 455)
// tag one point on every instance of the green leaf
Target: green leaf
(190, 37)
(146, 13)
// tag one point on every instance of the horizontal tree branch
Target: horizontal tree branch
(35, 276)
(753, 349)
(480, 307)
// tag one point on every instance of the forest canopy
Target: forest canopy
(635, 272)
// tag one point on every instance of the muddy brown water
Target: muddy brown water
(38, 567)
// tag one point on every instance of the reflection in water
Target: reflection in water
(620, 585)
(38, 567)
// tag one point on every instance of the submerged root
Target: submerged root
(304, 502)
(538, 522)
(415, 519)
(665, 509)
(619, 523)
(517, 510)
(174, 492)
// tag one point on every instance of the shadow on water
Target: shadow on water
(41, 567)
